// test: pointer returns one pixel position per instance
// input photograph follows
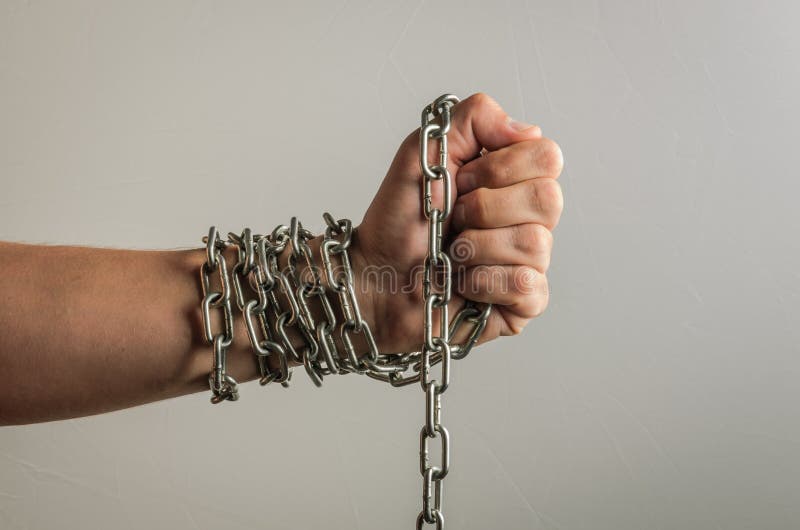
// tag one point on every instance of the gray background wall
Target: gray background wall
(660, 389)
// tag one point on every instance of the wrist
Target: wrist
(347, 316)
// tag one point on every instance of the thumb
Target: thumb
(476, 122)
(480, 122)
(393, 220)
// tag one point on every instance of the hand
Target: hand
(507, 202)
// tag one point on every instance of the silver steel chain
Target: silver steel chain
(437, 264)
(223, 385)
(259, 283)
(251, 269)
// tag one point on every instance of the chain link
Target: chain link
(344, 285)
(250, 270)
(223, 385)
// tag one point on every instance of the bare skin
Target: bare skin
(91, 330)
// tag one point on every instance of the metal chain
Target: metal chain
(250, 269)
(353, 323)
(223, 385)
(436, 345)
(259, 285)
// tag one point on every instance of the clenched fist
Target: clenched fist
(499, 234)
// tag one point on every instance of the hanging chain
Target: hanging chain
(437, 266)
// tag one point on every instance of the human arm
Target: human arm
(90, 330)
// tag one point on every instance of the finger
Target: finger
(532, 201)
(521, 290)
(529, 159)
(526, 244)
(478, 122)
(505, 322)
(501, 323)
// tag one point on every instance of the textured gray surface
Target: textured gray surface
(658, 391)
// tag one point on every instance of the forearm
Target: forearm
(90, 330)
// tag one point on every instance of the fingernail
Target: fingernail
(468, 181)
(458, 216)
(519, 125)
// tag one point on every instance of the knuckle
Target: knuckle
(541, 296)
(481, 100)
(478, 210)
(539, 306)
(533, 238)
(548, 157)
(548, 198)
(543, 238)
(501, 168)
(516, 325)
(525, 280)
(532, 290)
